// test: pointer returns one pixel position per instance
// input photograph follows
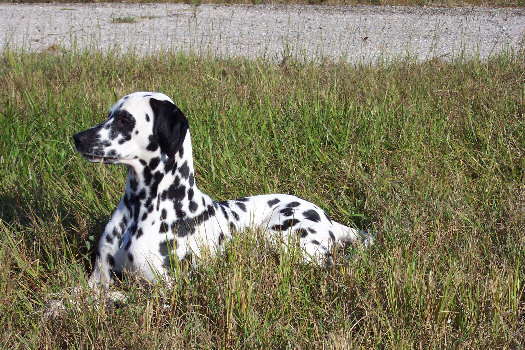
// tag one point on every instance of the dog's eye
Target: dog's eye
(123, 120)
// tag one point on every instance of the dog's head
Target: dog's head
(140, 126)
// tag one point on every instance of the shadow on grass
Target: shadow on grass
(52, 233)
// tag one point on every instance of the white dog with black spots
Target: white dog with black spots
(164, 216)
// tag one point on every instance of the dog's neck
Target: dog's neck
(166, 179)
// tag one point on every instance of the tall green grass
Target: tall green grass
(429, 155)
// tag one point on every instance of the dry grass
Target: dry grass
(430, 155)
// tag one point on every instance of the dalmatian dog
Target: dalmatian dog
(164, 216)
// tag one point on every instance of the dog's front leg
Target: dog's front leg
(107, 247)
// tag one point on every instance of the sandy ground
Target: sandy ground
(354, 33)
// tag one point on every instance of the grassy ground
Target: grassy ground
(446, 3)
(431, 155)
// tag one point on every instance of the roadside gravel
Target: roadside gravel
(354, 33)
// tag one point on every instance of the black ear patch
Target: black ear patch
(169, 126)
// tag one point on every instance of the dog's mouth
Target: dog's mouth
(98, 159)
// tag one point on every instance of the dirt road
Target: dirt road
(357, 34)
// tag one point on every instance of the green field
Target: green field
(431, 156)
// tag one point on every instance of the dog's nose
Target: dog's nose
(76, 138)
(78, 141)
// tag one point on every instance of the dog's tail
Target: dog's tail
(348, 235)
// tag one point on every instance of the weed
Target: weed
(127, 19)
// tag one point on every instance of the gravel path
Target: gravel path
(358, 34)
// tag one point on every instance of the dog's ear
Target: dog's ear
(170, 126)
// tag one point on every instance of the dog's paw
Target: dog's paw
(115, 299)
(56, 304)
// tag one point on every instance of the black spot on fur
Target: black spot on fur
(165, 247)
(184, 170)
(111, 261)
(312, 215)
(128, 244)
(163, 214)
(185, 227)
(163, 227)
(176, 193)
(144, 216)
(243, 199)
(221, 238)
(123, 124)
(235, 215)
(133, 183)
(169, 165)
(147, 117)
(302, 232)
(193, 206)
(109, 239)
(331, 235)
(181, 152)
(167, 262)
(133, 229)
(143, 162)
(293, 204)
(139, 232)
(311, 230)
(287, 211)
(225, 203)
(273, 202)
(122, 141)
(157, 178)
(130, 257)
(313, 241)
(285, 225)
(224, 212)
(232, 227)
(190, 194)
(204, 216)
(154, 162)
(191, 180)
(127, 204)
(176, 181)
(153, 145)
(147, 175)
(241, 206)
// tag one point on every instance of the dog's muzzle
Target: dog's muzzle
(87, 143)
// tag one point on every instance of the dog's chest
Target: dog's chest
(150, 243)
